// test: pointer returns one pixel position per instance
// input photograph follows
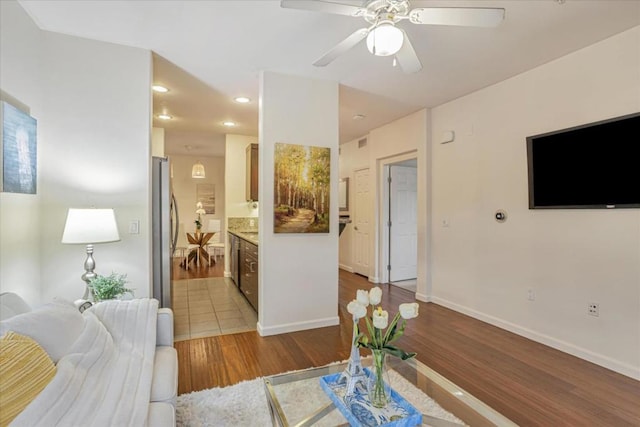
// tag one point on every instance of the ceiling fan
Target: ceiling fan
(384, 38)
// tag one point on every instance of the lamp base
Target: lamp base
(89, 275)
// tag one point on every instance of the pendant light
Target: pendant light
(197, 171)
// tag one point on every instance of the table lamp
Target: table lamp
(90, 226)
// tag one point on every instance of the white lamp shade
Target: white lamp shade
(213, 226)
(90, 226)
(385, 40)
(197, 171)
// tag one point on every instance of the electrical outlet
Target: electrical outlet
(594, 309)
(531, 295)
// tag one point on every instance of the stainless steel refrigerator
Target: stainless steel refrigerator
(165, 229)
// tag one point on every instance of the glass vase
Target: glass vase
(378, 384)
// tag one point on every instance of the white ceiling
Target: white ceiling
(208, 52)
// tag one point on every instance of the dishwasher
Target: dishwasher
(234, 253)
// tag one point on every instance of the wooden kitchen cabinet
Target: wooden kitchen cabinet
(249, 272)
(252, 173)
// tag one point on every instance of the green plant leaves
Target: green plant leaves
(109, 287)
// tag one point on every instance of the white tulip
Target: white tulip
(409, 310)
(357, 310)
(363, 297)
(380, 318)
(375, 295)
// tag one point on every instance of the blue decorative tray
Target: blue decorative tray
(360, 413)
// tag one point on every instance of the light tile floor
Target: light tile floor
(209, 307)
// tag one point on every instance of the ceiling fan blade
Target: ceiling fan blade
(323, 6)
(407, 57)
(463, 16)
(342, 47)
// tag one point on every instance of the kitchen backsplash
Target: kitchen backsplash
(243, 223)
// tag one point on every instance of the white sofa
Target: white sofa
(147, 364)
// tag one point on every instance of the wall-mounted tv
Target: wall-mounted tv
(593, 166)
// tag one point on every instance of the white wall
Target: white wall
(20, 67)
(403, 136)
(88, 160)
(157, 142)
(85, 87)
(569, 258)
(298, 274)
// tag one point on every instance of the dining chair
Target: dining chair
(215, 247)
(184, 248)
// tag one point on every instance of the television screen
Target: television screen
(594, 166)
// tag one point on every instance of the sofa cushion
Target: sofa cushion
(12, 304)
(55, 326)
(165, 375)
(164, 330)
(161, 414)
(25, 370)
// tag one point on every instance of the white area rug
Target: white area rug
(245, 404)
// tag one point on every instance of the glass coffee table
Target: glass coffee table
(297, 399)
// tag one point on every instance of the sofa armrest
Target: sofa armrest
(164, 387)
(164, 329)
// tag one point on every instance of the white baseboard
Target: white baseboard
(374, 279)
(423, 297)
(345, 268)
(298, 326)
(598, 359)
(227, 274)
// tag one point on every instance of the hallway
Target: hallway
(206, 304)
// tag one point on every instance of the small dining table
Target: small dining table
(200, 239)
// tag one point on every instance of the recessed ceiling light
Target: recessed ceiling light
(359, 117)
(229, 124)
(158, 88)
(242, 99)
(164, 117)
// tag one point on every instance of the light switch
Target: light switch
(134, 227)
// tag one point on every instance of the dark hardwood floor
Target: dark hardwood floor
(197, 271)
(530, 383)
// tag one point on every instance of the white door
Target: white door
(403, 230)
(362, 223)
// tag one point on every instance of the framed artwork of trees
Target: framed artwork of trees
(302, 188)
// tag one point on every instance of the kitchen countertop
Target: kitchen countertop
(249, 236)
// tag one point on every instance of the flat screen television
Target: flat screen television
(593, 166)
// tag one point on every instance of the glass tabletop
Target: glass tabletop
(297, 399)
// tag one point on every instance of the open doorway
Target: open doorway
(400, 236)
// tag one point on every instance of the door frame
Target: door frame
(354, 215)
(383, 210)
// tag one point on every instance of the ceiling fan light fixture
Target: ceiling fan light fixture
(385, 40)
